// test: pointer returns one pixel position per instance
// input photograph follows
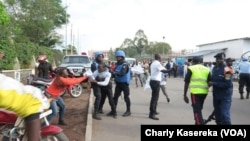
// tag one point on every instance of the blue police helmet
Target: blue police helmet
(244, 58)
(120, 53)
(98, 53)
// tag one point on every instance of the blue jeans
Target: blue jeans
(54, 107)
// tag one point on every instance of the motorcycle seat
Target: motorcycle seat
(43, 79)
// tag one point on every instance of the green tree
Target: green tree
(127, 43)
(111, 54)
(135, 46)
(158, 47)
(4, 16)
(37, 19)
(140, 41)
(128, 47)
(28, 29)
(10, 55)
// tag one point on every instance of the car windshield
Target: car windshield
(76, 59)
(130, 61)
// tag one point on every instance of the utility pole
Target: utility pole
(78, 43)
(163, 46)
(72, 43)
(66, 33)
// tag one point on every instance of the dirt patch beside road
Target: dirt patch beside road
(75, 116)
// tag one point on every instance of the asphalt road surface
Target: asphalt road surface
(177, 112)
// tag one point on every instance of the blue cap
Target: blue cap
(220, 55)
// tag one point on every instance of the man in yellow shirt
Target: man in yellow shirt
(24, 100)
(196, 80)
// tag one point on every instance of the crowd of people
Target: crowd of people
(198, 79)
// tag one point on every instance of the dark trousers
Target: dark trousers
(197, 104)
(244, 80)
(106, 91)
(98, 96)
(122, 87)
(222, 106)
(103, 99)
(155, 86)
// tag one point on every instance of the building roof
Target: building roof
(203, 52)
(245, 38)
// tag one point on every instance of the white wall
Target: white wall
(235, 48)
(209, 57)
(246, 46)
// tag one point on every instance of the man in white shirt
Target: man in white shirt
(138, 71)
(156, 70)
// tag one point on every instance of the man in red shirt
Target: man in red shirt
(58, 86)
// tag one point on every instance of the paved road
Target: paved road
(175, 112)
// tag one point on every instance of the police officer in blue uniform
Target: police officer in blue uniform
(101, 97)
(222, 91)
(244, 77)
(98, 59)
(122, 80)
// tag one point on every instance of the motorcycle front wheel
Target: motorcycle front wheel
(57, 137)
(76, 91)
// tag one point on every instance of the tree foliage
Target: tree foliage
(140, 41)
(8, 49)
(4, 16)
(111, 54)
(28, 29)
(158, 47)
(139, 46)
(37, 19)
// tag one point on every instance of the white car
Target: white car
(78, 64)
(130, 61)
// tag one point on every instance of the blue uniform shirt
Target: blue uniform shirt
(222, 88)
(244, 67)
(122, 72)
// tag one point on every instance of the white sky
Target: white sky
(102, 24)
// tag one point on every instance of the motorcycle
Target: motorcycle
(42, 83)
(12, 128)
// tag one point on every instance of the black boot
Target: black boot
(241, 96)
(153, 117)
(168, 99)
(112, 113)
(97, 116)
(127, 113)
(100, 111)
(247, 97)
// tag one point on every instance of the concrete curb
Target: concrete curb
(88, 132)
